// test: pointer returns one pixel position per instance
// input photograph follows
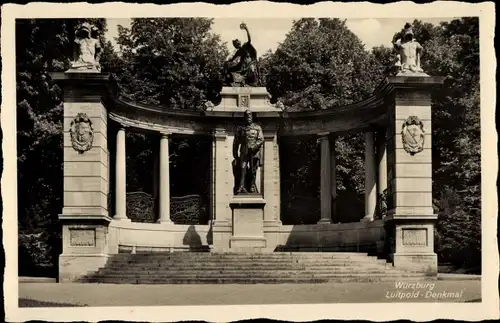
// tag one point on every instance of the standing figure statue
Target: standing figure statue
(248, 140)
(242, 69)
(87, 50)
(409, 52)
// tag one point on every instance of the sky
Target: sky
(268, 33)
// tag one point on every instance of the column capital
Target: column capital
(165, 134)
(269, 135)
(219, 133)
(323, 135)
(123, 127)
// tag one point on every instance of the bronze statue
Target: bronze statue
(87, 50)
(409, 52)
(248, 140)
(242, 69)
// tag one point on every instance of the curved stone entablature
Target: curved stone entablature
(360, 116)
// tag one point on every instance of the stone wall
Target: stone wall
(137, 237)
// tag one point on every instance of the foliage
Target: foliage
(170, 61)
(321, 64)
(454, 54)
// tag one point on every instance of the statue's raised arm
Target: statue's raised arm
(245, 28)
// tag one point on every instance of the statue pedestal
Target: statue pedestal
(248, 224)
(239, 99)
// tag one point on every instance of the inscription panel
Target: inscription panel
(82, 237)
(244, 101)
(415, 237)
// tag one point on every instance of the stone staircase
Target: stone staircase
(241, 268)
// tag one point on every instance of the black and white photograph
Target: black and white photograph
(257, 154)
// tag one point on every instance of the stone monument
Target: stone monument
(253, 203)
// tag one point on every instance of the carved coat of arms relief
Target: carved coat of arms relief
(413, 135)
(82, 133)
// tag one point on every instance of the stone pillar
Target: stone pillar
(410, 217)
(164, 209)
(326, 195)
(382, 166)
(85, 215)
(271, 189)
(271, 171)
(333, 180)
(121, 177)
(370, 174)
(223, 184)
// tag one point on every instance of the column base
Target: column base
(221, 234)
(75, 266)
(324, 221)
(121, 219)
(367, 218)
(164, 222)
(422, 263)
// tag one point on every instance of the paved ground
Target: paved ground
(51, 294)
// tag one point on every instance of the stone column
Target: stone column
(121, 177)
(326, 195)
(164, 209)
(223, 184)
(85, 215)
(333, 180)
(410, 218)
(370, 183)
(382, 166)
(270, 171)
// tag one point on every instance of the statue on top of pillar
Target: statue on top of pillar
(87, 50)
(409, 52)
(242, 68)
(248, 141)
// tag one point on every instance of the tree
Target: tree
(170, 61)
(321, 65)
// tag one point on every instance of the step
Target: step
(269, 267)
(202, 275)
(244, 255)
(244, 260)
(254, 268)
(243, 272)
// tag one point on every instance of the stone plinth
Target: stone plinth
(238, 99)
(410, 217)
(248, 224)
(85, 215)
